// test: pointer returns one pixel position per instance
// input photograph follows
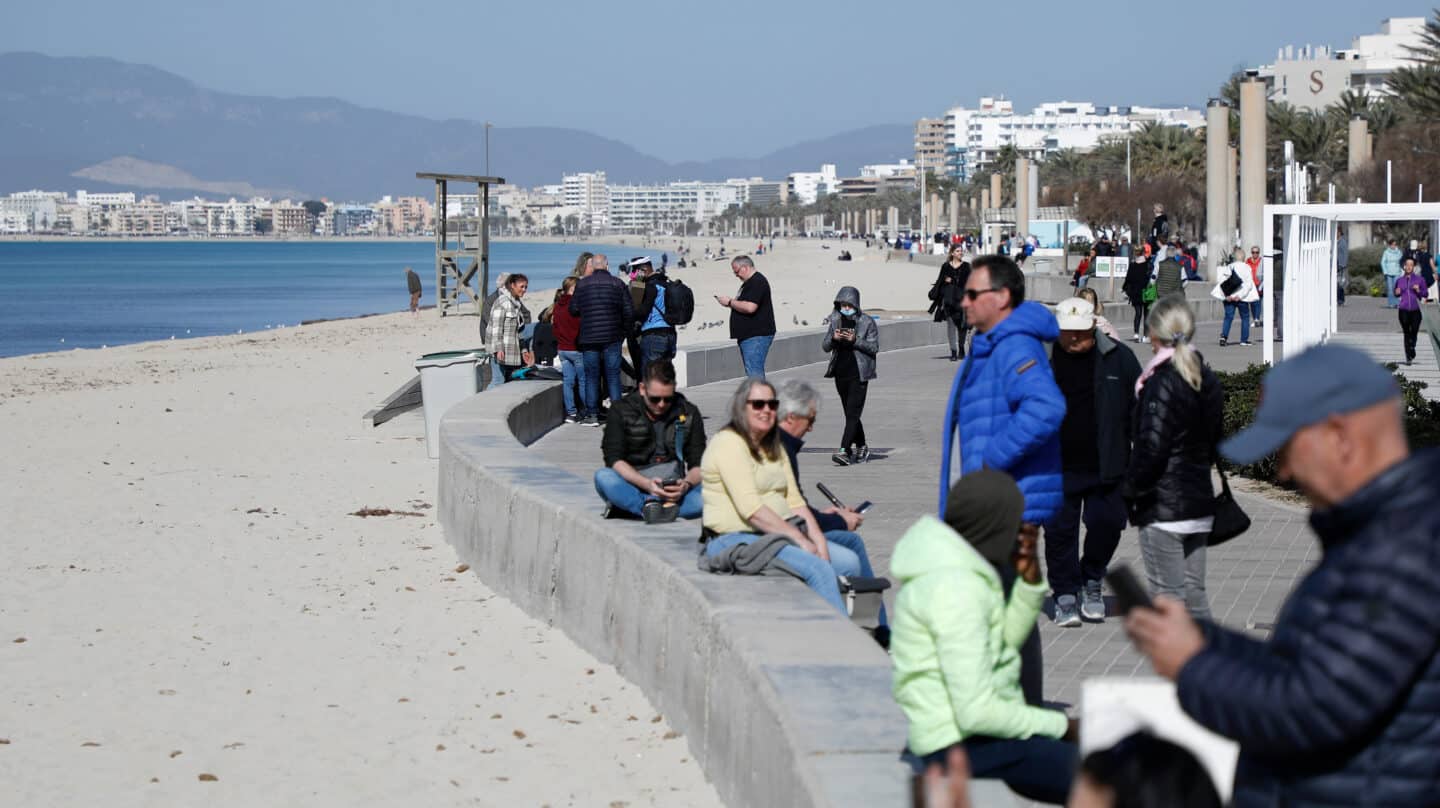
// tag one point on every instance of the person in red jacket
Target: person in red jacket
(572, 362)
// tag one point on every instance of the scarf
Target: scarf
(1161, 357)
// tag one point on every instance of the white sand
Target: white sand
(300, 655)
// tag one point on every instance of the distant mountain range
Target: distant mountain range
(109, 125)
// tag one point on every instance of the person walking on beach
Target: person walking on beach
(1339, 705)
(412, 281)
(853, 340)
(602, 303)
(946, 296)
(752, 316)
(1097, 376)
(1006, 409)
(1410, 291)
(1390, 268)
(1167, 485)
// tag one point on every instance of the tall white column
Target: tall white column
(1022, 196)
(1217, 154)
(1252, 163)
(1360, 157)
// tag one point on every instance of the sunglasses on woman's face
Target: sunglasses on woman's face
(758, 404)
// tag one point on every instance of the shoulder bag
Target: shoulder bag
(1230, 519)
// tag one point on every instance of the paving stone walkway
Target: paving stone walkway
(1248, 578)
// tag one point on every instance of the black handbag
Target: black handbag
(1231, 284)
(1230, 519)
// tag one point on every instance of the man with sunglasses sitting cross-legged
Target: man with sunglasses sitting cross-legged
(652, 445)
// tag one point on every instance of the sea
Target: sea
(62, 295)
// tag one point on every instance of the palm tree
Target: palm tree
(1168, 151)
(1417, 87)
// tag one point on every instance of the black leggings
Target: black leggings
(1410, 326)
(852, 400)
(1141, 311)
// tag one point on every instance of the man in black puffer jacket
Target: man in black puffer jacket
(602, 303)
(653, 443)
(1342, 705)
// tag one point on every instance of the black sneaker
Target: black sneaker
(590, 420)
(656, 512)
(954, 357)
(843, 458)
(1224, 341)
(862, 455)
(882, 636)
(572, 418)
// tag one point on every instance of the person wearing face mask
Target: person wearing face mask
(852, 339)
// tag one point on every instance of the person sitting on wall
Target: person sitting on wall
(653, 443)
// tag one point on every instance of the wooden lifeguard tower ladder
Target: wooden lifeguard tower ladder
(462, 244)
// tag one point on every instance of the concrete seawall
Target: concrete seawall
(782, 701)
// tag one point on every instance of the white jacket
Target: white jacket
(1246, 293)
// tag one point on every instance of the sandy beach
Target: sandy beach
(187, 596)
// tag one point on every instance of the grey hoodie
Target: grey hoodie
(867, 335)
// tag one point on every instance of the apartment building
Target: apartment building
(670, 207)
(587, 193)
(1315, 77)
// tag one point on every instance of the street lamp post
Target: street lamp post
(488, 127)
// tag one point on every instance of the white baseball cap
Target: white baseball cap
(1075, 314)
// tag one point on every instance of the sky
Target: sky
(696, 81)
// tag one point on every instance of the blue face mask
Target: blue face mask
(847, 311)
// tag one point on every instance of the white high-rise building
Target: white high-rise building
(807, 186)
(1315, 77)
(588, 193)
(668, 208)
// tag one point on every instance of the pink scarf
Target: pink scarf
(1161, 357)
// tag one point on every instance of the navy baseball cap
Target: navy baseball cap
(1322, 381)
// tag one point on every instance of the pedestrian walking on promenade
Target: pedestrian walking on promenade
(1006, 408)
(852, 339)
(1138, 290)
(1168, 274)
(1340, 705)
(507, 317)
(752, 316)
(1257, 276)
(946, 296)
(1342, 260)
(1390, 268)
(1167, 484)
(412, 282)
(602, 303)
(1097, 376)
(1235, 289)
(1410, 292)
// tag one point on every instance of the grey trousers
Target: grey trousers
(1175, 566)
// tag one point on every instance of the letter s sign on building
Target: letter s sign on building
(1317, 82)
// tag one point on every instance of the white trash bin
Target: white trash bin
(446, 379)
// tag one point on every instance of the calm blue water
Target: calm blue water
(111, 293)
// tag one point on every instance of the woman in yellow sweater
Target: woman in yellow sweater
(749, 490)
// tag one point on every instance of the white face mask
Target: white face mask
(847, 311)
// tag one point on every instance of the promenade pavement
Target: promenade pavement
(1248, 578)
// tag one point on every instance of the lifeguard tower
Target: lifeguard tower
(462, 242)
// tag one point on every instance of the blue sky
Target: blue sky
(696, 81)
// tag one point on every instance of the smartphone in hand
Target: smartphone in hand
(1129, 592)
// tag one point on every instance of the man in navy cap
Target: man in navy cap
(1342, 705)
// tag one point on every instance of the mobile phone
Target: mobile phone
(864, 506)
(1129, 593)
(834, 500)
(669, 482)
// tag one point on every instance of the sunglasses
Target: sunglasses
(974, 294)
(660, 399)
(758, 404)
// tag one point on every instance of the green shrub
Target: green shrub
(1365, 260)
(1242, 396)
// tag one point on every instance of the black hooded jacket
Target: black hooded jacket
(1173, 446)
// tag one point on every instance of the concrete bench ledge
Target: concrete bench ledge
(782, 701)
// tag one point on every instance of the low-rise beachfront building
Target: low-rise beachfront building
(1315, 77)
(144, 218)
(37, 208)
(758, 192)
(668, 208)
(13, 224)
(290, 219)
(353, 220)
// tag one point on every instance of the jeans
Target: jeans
(852, 400)
(1244, 320)
(1257, 309)
(1036, 768)
(955, 331)
(618, 491)
(604, 359)
(1390, 299)
(1343, 280)
(753, 351)
(814, 571)
(852, 542)
(656, 344)
(1175, 566)
(572, 368)
(1103, 512)
(1410, 326)
(497, 377)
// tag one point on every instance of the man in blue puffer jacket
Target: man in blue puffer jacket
(1005, 403)
(1341, 706)
(1008, 409)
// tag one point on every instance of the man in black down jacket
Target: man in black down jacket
(653, 436)
(1342, 705)
(603, 305)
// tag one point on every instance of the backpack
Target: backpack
(679, 303)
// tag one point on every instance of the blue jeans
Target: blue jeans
(852, 542)
(1257, 309)
(654, 345)
(811, 569)
(497, 377)
(598, 360)
(1244, 320)
(1390, 299)
(617, 491)
(753, 351)
(572, 368)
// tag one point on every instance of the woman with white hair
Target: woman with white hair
(749, 491)
(1167, 486)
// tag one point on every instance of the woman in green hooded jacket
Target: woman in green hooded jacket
(967, 602)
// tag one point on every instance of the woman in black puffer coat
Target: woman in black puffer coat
(945, 297)
(1167, 488)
